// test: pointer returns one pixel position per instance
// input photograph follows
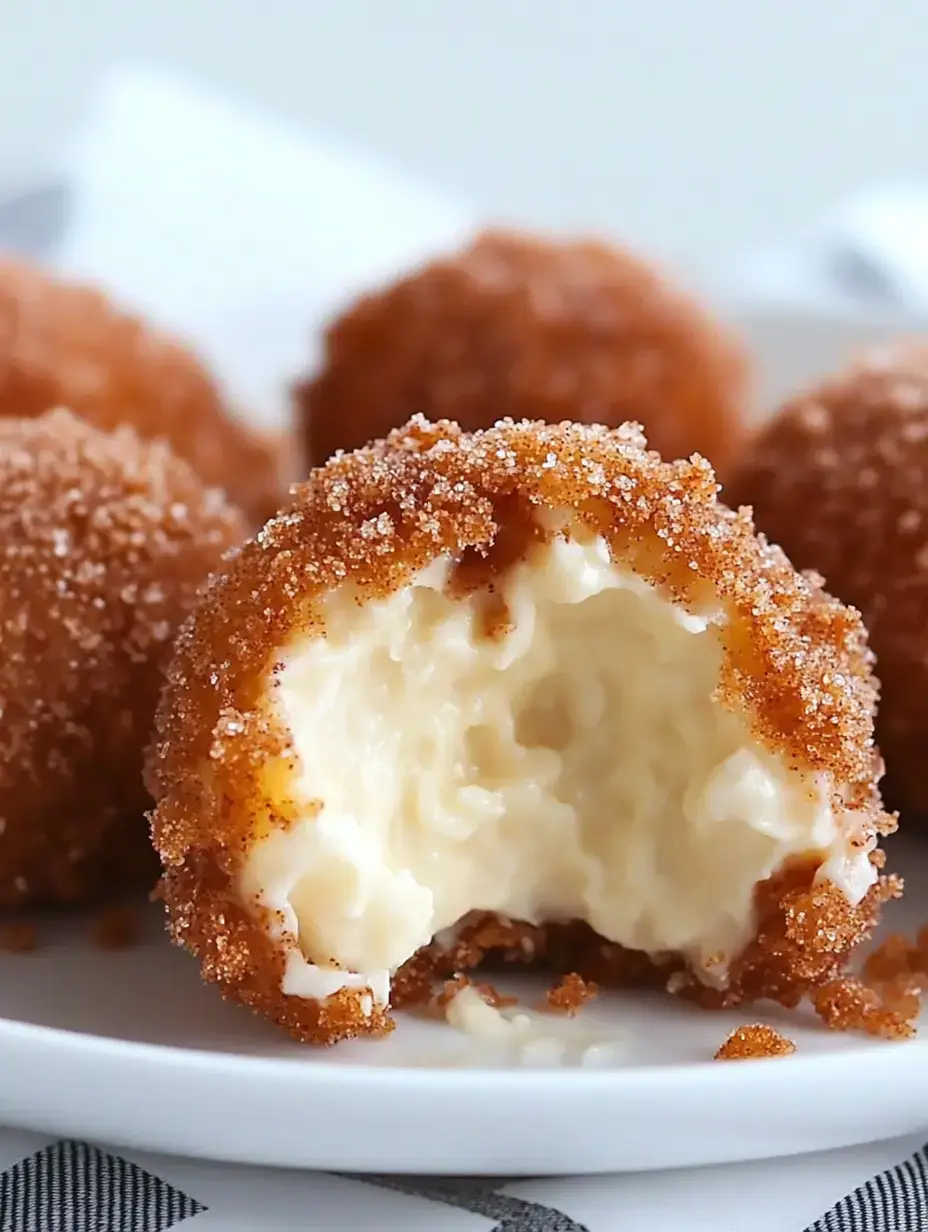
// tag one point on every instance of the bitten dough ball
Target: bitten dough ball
(104, 541)
(529, 329)
(839, 478)
(65, 344)
(531, 691)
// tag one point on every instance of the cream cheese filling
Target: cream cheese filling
(577, 768)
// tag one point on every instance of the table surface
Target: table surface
(695, 131)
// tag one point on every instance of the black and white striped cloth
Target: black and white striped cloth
(68, 1186)
(895, 1200)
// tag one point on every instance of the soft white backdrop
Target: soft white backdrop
(694, 127)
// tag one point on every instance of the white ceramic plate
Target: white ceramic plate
(130, 1049)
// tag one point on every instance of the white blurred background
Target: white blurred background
(695, 128)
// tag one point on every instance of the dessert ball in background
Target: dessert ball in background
(104, 543)
(524, 328)
(66, 344)
(839, 478)
(529, 693)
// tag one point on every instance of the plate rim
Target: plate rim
(178, 1057)
(241, 1110)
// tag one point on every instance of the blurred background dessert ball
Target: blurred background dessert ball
(104, 543)
(67, 344)
(527, 328)
(839, 478)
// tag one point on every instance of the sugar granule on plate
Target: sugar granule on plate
(116, 928)
(570, 994)
(754, 1041)
(19, 938)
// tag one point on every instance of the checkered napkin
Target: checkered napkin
(54, 1185)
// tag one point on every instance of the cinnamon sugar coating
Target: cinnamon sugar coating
(848, 1004)
(527, 328)
(66, 344)
(104, 541)
(570, 994)
(795, 661)
(753, 1042)
(839, 478)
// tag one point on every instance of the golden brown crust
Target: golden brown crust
(839, 478)
(796, 661)
(521, 327)
(848, 1004)
(804, 937)
(899, 965)
(104, 542)
(65, 344)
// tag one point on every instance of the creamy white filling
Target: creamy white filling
(578, 767)
(529, 1040)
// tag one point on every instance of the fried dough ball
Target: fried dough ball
(839, 478)
(104, 541)
(531, 692)
(64, 344)
(530, 329)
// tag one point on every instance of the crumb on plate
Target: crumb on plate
(116, 928)
(570, 994)
(19, 938)
(753, 1041)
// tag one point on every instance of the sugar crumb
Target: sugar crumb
(754, 1041)
(19, 938)
(849, 1004)
(570, 994)
(898, 959)
(494, 997)
(116, 928)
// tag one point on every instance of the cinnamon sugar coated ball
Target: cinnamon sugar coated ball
(104, 541)
(530, 329)
(754, 1042)
(66, 344)
(529, 694)
(839, 478)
